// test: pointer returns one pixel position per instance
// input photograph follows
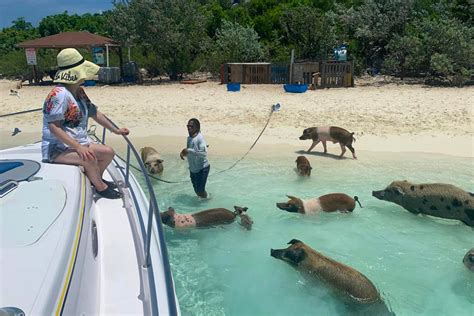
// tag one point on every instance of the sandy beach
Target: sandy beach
(385, 116)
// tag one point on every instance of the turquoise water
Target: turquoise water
(414, 261)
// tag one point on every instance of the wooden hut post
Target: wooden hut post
(292, 60)
(107, 54)
(121, 61)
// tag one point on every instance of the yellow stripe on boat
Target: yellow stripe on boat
(74, 252)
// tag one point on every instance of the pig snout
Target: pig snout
(155, 168)
(378, 194)
(304, 170)
(282, 206)
(276, 253)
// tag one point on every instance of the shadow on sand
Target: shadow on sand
(320, 154)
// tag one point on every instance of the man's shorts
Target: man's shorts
(199, 179)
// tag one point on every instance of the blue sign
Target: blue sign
(340, 53)
(98, 55)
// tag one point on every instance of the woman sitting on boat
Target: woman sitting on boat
(65, 114)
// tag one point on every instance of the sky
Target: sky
(34, 10)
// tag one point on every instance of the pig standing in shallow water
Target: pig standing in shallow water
(303, 167)
(349, 283)
(207, 218)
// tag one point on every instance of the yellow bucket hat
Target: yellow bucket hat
(72, 67)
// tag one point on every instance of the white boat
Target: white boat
(66, 251)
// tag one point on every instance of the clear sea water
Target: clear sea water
(414, 261)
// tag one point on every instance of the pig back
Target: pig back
(302, 160)
(337, 202)
(342, 278)
(214, 216)
(341, 135)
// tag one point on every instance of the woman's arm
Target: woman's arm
(84, 152)
(99, 117)
(102, 120)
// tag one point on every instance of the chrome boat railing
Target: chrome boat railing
(152, 210)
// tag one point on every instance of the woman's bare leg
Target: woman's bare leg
(104, 155)
(91, 167)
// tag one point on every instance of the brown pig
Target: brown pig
(206, 218)
(303, 167)
(348, 283)
(332, 134)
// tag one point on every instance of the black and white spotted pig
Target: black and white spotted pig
(435, 199)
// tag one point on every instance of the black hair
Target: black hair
(196, 123)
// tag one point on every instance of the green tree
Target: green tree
(309, 31)
(373, 24)
(173, 30)
(54, 24)
(236, 43)
(21, 25)
(442, 48)
(20, 31)
(405, 54)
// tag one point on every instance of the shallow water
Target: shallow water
(414, 261)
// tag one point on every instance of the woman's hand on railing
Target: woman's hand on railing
(121, 131)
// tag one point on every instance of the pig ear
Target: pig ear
(294, 241)
(291, 197)
(399, 191)
(160, 160)
(171, 210)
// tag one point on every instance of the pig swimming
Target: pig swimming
(206, 218)
(350, 285)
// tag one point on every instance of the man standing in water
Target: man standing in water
(196, 152)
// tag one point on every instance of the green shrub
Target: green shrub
(441, 48)
(13, 65)
(309, 31)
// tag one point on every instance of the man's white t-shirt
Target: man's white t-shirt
(197, 153)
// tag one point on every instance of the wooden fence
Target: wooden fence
(336, 74)
(303, 72)
(324, 74)
(256, 74)
(236, 73)
(248, 73)
(279, 73)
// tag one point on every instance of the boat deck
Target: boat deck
(73, 253)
